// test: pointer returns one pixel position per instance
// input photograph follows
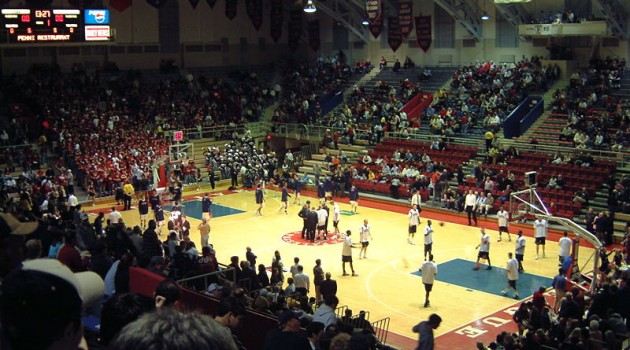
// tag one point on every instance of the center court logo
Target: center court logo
(295, 237)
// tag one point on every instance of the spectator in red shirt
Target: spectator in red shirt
(70, 255)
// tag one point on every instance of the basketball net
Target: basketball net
(527, 204)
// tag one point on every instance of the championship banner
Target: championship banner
(194, 3)
(156, 3)
(255, 12)
(405, 18)
(230, 9)
(211, 3)
(313, 34)
(376, 27)
(275, 22)
(393, 33)
(295, 28)
(423, 32)
(120, 5)
(373, 9)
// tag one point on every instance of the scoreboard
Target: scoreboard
(55, 25)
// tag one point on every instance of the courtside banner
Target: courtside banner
(376, 27)
(373, 10)
(423, 32)
(393, 33)
(405, 17)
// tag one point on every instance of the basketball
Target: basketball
(441, 223)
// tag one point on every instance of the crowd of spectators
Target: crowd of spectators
(596, 118)
(483, 94)
(554, 17)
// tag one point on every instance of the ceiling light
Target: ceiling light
(365, 22)
(484, 17)
(310, 7)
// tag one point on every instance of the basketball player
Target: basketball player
(512, 276)
(285, 198)
(143, 209)
(260, 199)
(416, 200)
(484, 250)
(414, 220)
(353, 194)
(502, 219)
(346, 254)
(429, 270)
(428, 239)
(322, 217)
(519, 250)
(540, 234)
(336, 216)
(365, 237)
(206, 207)
(176, 213)
(159, 218)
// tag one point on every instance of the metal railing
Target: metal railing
(381, 329)
(219, 132)
(312, 133)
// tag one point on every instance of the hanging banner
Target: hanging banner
(313, 34)
(423, 32)
(156, 3)
(211, 3)
(393, 33)
(194, 3)
(275, 21)
(373, 9)
(405, 18)
(295, 28)
(255, 12)
(120, 5)
(230, 9)
(376, 27)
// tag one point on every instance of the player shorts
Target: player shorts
(321, 227)
(413, 228)
(160, 222)
(540, 241)
(428, 247)
(519, 257)
(365, 244)
(428, 287)
(503, 229)
(512, 283)
(346, 258)
(355, 203)
(205, 215)
(143, 217)
(483, 255)
(335, 223)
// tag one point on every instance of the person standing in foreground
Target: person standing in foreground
(519, 250)
(540, 234)
(414, 220)
(206, 205)
(502, 219)
(428, 239)
(511, 270)
(425, 330)
(365, 236)
(346, 254)
(429, 270)
(565, 243)
(260, 199)
(559, 284)
(484, 250)
(143, 209)
(204, 232)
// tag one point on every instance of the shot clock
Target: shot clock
(55, 25)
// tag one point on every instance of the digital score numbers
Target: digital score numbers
(55, 25)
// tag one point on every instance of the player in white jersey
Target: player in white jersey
(484, 250)
(428, 240)
(502, 219)
(414, 220)
(519, 250)
(540, 234)
(365, 236)
(512, 275)
(336, 216)
(429, 270)
(565, 243)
